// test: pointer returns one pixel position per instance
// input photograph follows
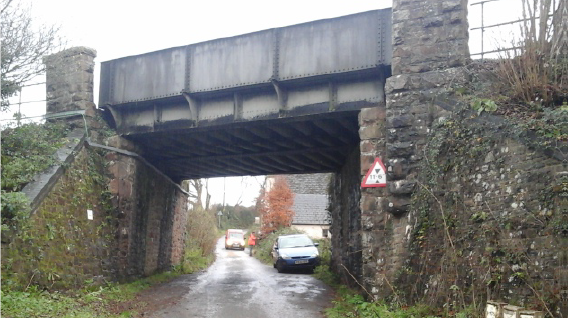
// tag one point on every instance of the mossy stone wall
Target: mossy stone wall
(58, 246)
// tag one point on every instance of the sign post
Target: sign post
(376, 176)
(219, 215)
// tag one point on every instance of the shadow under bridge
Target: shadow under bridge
(278, 101)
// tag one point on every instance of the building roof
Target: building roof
(310, 209)
(315, 183)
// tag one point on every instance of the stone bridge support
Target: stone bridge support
(140, 214)
(69, 84)
(429, 46)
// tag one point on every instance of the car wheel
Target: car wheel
(280, 267)
(311, 270)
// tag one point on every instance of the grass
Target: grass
(85, 303)
(194, 261)
(350, 304)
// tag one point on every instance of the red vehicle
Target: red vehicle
(235, 239)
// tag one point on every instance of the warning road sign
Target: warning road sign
(376, 176)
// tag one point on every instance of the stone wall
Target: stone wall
(344, 196)
(486, 217)
(137, 228)
(429, 44)
(69, 84)
(152, 214)
(69, 90)
(59, 246)
(473, 205)
(139, 214)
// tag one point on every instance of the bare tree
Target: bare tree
(196, 189)
(24, 43)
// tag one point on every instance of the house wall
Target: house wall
(314, 231)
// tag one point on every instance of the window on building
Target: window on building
(324, 232)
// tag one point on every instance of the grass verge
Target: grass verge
(103, 302)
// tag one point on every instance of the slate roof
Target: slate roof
(315, 183)
(310, 209)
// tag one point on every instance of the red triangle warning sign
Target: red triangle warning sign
(376, 176)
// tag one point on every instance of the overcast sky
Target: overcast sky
(118, 28)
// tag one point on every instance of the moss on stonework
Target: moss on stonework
(58, 246)
(480, 223)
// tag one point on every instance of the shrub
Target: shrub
(201, 240)
(532, 73)
(26, 151)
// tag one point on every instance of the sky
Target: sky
(119, 28)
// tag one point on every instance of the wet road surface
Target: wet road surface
(238, 285)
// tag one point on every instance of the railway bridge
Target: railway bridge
(277, 101)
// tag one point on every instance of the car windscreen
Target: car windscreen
(235, 235)
(294, 241)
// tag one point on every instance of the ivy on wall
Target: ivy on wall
(59, 247)
(26, 151)
(486, 213)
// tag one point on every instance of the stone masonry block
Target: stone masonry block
(371, 132)
(398, 205)
(368, 146)
(400, 121)
(401, 187)
(426, 80)
(400, 149)
(397, 169)
(121, 143)
(453, 5)
(494, 309)
(510, 311)
(368, 203)
(372, 114)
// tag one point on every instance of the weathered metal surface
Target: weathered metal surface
(348, 44)
(329, 46)
(283, 100)
(145, 77)
(231, 62)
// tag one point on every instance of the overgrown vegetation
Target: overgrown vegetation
(466, 250)
(109, 301)
(202, 232)
(349, 303)
(38, 250)
(533, 75)
(26, 151)
(202, 235)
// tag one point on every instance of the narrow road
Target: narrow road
(239, 286)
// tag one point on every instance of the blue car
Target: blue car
(295, 251)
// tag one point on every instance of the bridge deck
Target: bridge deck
(282, 100)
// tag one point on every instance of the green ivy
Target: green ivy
(26, 151)
(483, 104)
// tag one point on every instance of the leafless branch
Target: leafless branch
(24, 44)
